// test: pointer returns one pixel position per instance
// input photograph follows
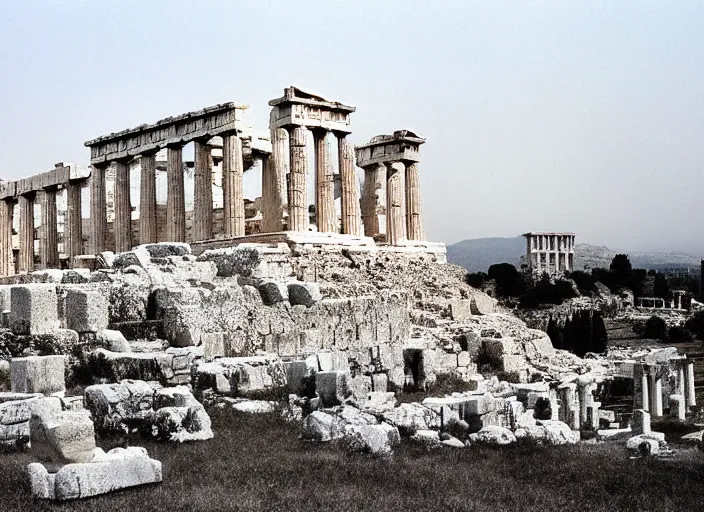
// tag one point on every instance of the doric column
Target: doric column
(414, 218)
(349, 192)
(175, 196)
(690, 391)
(49, 242)
(123, 208)
(203, 193)
(26, 263)
(147, 199)
(298, 218)
(645, 396)
(7, 266)
(656, 397)
(73, 234)
(372, 202)
(394, 206)
(680, 380)
(274, 174)
(98, 209)
(326, 218)
(232, 188)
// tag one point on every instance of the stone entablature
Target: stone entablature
(299, 108)
(172, 131)
(402, 146)
(551, 252)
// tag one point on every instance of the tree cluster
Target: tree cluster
(583, 332)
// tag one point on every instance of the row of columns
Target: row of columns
(577, 406)
(374, 177)
(233, 208)
(650, 399)
(295, 165)
(48, 248)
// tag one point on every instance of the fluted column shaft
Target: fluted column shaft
(26, 260)
(232, 187)
(175, 196)
(326, 218)
(73, 236)
(414, 217)
(203, 193)
(98, 209)
(147, 199)
(7, 267)
(349, 192)
(372, 202)
(123, 208)
(394, 206)
(298, 218)
(274, 182)
(49, 242)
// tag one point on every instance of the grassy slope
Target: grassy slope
(258, 463)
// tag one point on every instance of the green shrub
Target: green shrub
(679, 334)
(695, 324)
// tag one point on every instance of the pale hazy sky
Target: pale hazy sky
(579, 116)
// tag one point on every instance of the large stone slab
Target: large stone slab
(61, 437)
(14, 418)
(119, 407)
(332, 387)
(118, 469)
(38, 374)
(33, 309)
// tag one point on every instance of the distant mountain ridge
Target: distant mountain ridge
(478, 254)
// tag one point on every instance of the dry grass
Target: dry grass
(258, 463)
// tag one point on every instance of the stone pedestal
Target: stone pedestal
(414, 218)
(123, 208)
(373, 202)
(147, 199)
(274, 175)
(298, 218)
(232, 188)
(641, 422)
(677, 407)
(351, 220)
(26, 260)
(49, 240)
(98, 209)
(73, 236)
(175, 197)
(7, 265)
(326, 218)
(394, 206)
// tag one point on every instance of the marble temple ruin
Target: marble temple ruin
(332, 302)
(550, 252)
(219, 138)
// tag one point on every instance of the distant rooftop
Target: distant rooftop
(560, 233)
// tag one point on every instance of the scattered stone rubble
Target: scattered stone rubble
(341, 331)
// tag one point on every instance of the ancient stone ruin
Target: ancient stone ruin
(335, 309)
